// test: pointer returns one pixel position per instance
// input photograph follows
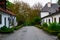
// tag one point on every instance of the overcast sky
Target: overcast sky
(32, 2)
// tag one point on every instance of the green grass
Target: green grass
(17, 27)
(6, 30)
(38, 26)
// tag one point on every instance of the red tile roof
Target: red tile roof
(7, 11)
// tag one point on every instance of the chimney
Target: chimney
(49, 4)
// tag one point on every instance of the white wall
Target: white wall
(15, 22)
(57, 17)
(54, 16)
(47, 20)
(3, 20)
(4, 15)
(43, 14)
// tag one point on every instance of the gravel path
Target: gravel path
(28, 33)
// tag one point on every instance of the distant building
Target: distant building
(50, 13)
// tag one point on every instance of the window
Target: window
(54, 19)
(0, 19)
(9, 19)
(46, 20)
(59, 19)
(43, 21)
(49, 20)
(12, 21)
(5, 21)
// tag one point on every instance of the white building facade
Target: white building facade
(7, 19)
(53, 18)
(50, 13)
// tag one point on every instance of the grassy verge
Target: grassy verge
(5, 30)
(17, 27)
(59, 36)
(38, 26)
(50, 31)
(52, 28)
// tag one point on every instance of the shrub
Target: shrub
(38, 26)
(59, 36)
(4, 29)
(27, 23)
(45, 25)
(54, 27)
(17, 27)
(37, 20)
(34, 21)
(53, 32)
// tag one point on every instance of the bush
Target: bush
(38, 26)
(59, 36)
(50, 31)
(4, 29)
(27, 23)
(45, 25)
(37, 20)
(54, 27)
(17, 27)
(34, 21)
(53, 32)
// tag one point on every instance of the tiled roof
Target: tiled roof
(7, 11)
(51, 9)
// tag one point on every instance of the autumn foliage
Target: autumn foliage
(24, 13)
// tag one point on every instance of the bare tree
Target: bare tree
(37, 6)
(24, 12)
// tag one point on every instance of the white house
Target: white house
(7, 18)
(50, 13)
